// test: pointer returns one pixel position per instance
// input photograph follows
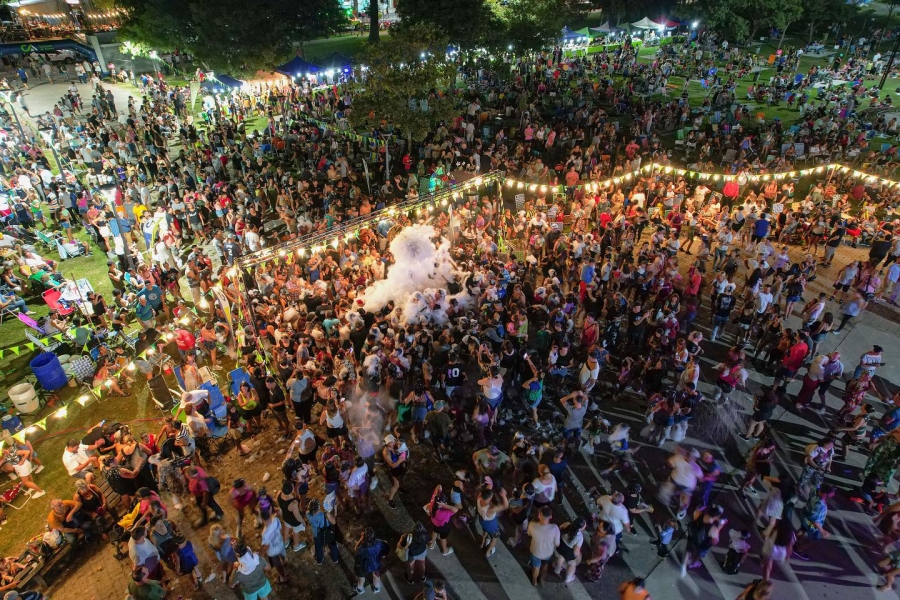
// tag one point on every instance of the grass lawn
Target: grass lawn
(27, 522)
(350, 45)
(12, 331)
(697, 93)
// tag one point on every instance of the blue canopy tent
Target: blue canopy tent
(336, 62)
(569, 35)
(221, 83)
(296, 67)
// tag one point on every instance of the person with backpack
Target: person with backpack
(520, 508)
(730, 376)
(568, 553)
(204, 489)
(322, 527)
(250, 574)
(703, 534)
(412, 549)
(370, 551)
(441, 514)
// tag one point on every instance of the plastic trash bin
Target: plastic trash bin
(49, 371)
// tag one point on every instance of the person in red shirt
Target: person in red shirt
(792, 361)
(630, 149)
(605, 218)
(198, 485)
(572, 177)
(185, 340)
(694, 281)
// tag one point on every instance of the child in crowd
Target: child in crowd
(664, 535)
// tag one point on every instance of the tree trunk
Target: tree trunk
(783, 33)
(356, 8)
(753, 29)
(373, 22)
(812, 31)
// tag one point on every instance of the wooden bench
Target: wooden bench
(38, 566)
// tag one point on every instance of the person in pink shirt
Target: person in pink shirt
(792, 361)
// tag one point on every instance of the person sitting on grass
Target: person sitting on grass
(104, 377)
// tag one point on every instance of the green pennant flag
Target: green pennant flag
(42, 423)
(15, 349)
(20, 437)
(30, 345)
(1, 353)
(58, 337)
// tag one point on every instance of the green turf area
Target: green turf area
(12, 331)
(697, 93)
(25, 523)
(350, 45)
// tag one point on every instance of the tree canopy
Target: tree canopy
(232, 36)
(740, 20)
(492, 24)
(409, 84)
(466, 23)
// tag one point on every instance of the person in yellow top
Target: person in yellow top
(248, 402)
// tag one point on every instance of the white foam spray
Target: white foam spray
(417, 281)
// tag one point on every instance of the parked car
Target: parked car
(66, 56)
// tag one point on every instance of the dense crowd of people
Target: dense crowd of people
(554, 305)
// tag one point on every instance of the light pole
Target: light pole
(108, 192)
